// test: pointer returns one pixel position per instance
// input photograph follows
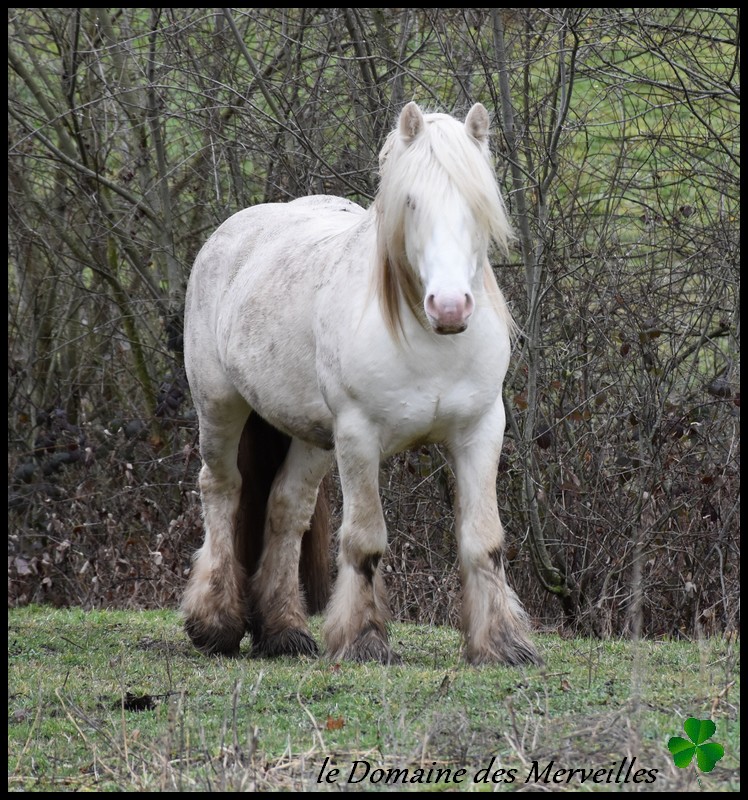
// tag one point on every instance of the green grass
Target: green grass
(260, 725)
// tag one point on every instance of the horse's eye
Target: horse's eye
(410, 203)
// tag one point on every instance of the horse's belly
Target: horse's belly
(279, 382)
(311, 422)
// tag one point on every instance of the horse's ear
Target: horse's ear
(411, 122)
(477, 123)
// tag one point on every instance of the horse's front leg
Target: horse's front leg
(495, 626)
(355, 626)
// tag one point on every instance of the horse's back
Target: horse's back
(246, 238)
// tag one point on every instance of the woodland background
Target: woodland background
(133, 133)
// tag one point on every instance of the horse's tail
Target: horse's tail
(262, 451)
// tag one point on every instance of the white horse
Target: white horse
(353, 334)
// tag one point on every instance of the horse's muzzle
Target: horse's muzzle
(449, 312)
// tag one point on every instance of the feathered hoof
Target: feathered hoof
(516, 653)
(369, 645)
(215, 640)
(290, 642)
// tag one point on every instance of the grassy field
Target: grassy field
(189, 723)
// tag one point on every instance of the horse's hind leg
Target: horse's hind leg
(215, 604)
(277, 618)
(355, 625)
(494, 624)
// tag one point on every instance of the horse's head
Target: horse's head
(438, 209)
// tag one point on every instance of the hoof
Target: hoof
(518, 653)
(370, 645)
(290, 642)
(214, 641)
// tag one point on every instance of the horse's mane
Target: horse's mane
(443, 158)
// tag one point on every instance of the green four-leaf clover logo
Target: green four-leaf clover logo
(707, 753)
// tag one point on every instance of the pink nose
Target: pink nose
(449, 312)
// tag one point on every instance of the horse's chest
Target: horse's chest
(410, 400)
(428, 409)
